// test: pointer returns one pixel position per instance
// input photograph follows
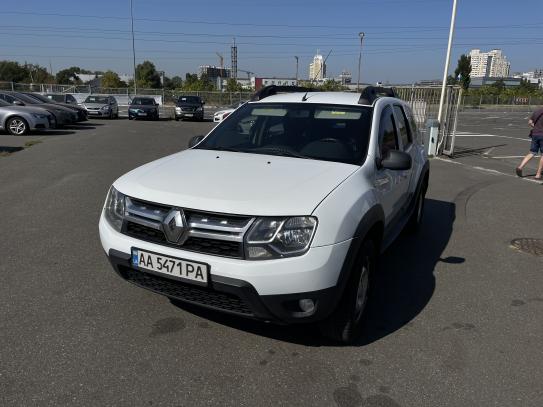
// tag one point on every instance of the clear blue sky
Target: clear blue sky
(405, 40)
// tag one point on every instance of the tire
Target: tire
(17, 126)
(415, 220)
(176, 118)
(343, 325)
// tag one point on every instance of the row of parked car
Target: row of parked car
(23, 112)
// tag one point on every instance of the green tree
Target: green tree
(38, 74)
(233, 86)
(69, 75)
(147, 76)
(463, 71)
(173, 83)
(110, 79)
(12, 71)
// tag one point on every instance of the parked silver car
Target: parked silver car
(63, 115)
(19, 120)
(101, 106)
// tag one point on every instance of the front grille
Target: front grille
(195, 244)
(188, 109)
(186, 292)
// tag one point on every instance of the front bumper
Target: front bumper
(189, 115)
(99, 113)
(265, 290)
(38, 123)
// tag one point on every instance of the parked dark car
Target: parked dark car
(189, 107)
(143, 108)
(63, 115)
(61, 98)
(81, 112)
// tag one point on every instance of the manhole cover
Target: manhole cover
(528, 245)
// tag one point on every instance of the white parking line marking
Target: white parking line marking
(490, 135)
(495, 172)
(511, 156)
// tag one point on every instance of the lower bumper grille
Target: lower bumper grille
(186, 292)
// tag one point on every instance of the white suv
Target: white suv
(279, 213)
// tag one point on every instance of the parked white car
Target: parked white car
(279, 213)
(223, 114)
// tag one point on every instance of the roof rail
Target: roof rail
(371, 93)
(274, 90)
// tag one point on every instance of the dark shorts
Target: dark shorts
(537, 144)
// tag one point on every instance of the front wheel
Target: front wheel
(17, 126)
(415, 221)
(344, 324)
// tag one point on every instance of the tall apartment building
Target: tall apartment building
(317, 69)
(491, 64)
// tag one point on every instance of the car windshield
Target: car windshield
(27, 99)
(97, 99)
(314, 131)
(189, 99)
(56, 98)
(143, 101)
(38, 97)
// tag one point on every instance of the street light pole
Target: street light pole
(133, 48)
(296, 68)
(361, 35)
(447, 64)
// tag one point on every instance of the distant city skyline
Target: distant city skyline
(179, 38)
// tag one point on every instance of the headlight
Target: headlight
(178, 109)
(114, 208)
(105, 108)
(39, 116)
(199, 109)
(271, 238)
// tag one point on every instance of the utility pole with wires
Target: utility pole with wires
(361, 35)
(133, 48)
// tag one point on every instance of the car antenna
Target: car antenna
(304, 97)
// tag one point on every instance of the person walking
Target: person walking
(536, 122)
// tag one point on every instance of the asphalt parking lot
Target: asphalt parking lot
(456, 319)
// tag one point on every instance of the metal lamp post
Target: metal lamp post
(133, 48)
(432, 148)
(361, 35)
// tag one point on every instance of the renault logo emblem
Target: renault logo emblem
(174, 225)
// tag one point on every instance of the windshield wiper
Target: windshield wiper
(231, 149)
(278, 151)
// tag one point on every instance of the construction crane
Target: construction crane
(221, 60)
(249, 73)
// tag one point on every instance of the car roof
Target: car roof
(329, 98)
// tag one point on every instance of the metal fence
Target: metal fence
(423, 100)
(425, 104)
(514, 103)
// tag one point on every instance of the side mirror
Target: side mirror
(18, 103)
(203, 103)
(396, 161)
(195, 140)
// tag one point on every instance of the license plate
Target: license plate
(194, 272)
(142, 114)
(188, 114)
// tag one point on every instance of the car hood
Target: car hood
(24, 109)
(95, 105)
(188, 104)
(235, 183)
(145, 108)
(53, 107)
(224, 111)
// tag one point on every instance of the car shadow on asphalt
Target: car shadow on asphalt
(402, 288)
